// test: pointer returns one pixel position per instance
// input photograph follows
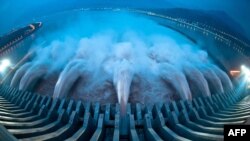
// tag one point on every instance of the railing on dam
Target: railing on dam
(30, 116)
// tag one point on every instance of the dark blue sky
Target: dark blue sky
(14, 12)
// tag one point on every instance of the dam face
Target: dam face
(119, 74)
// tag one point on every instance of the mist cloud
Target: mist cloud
(129, 52)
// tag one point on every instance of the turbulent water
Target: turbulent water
(100, 55)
